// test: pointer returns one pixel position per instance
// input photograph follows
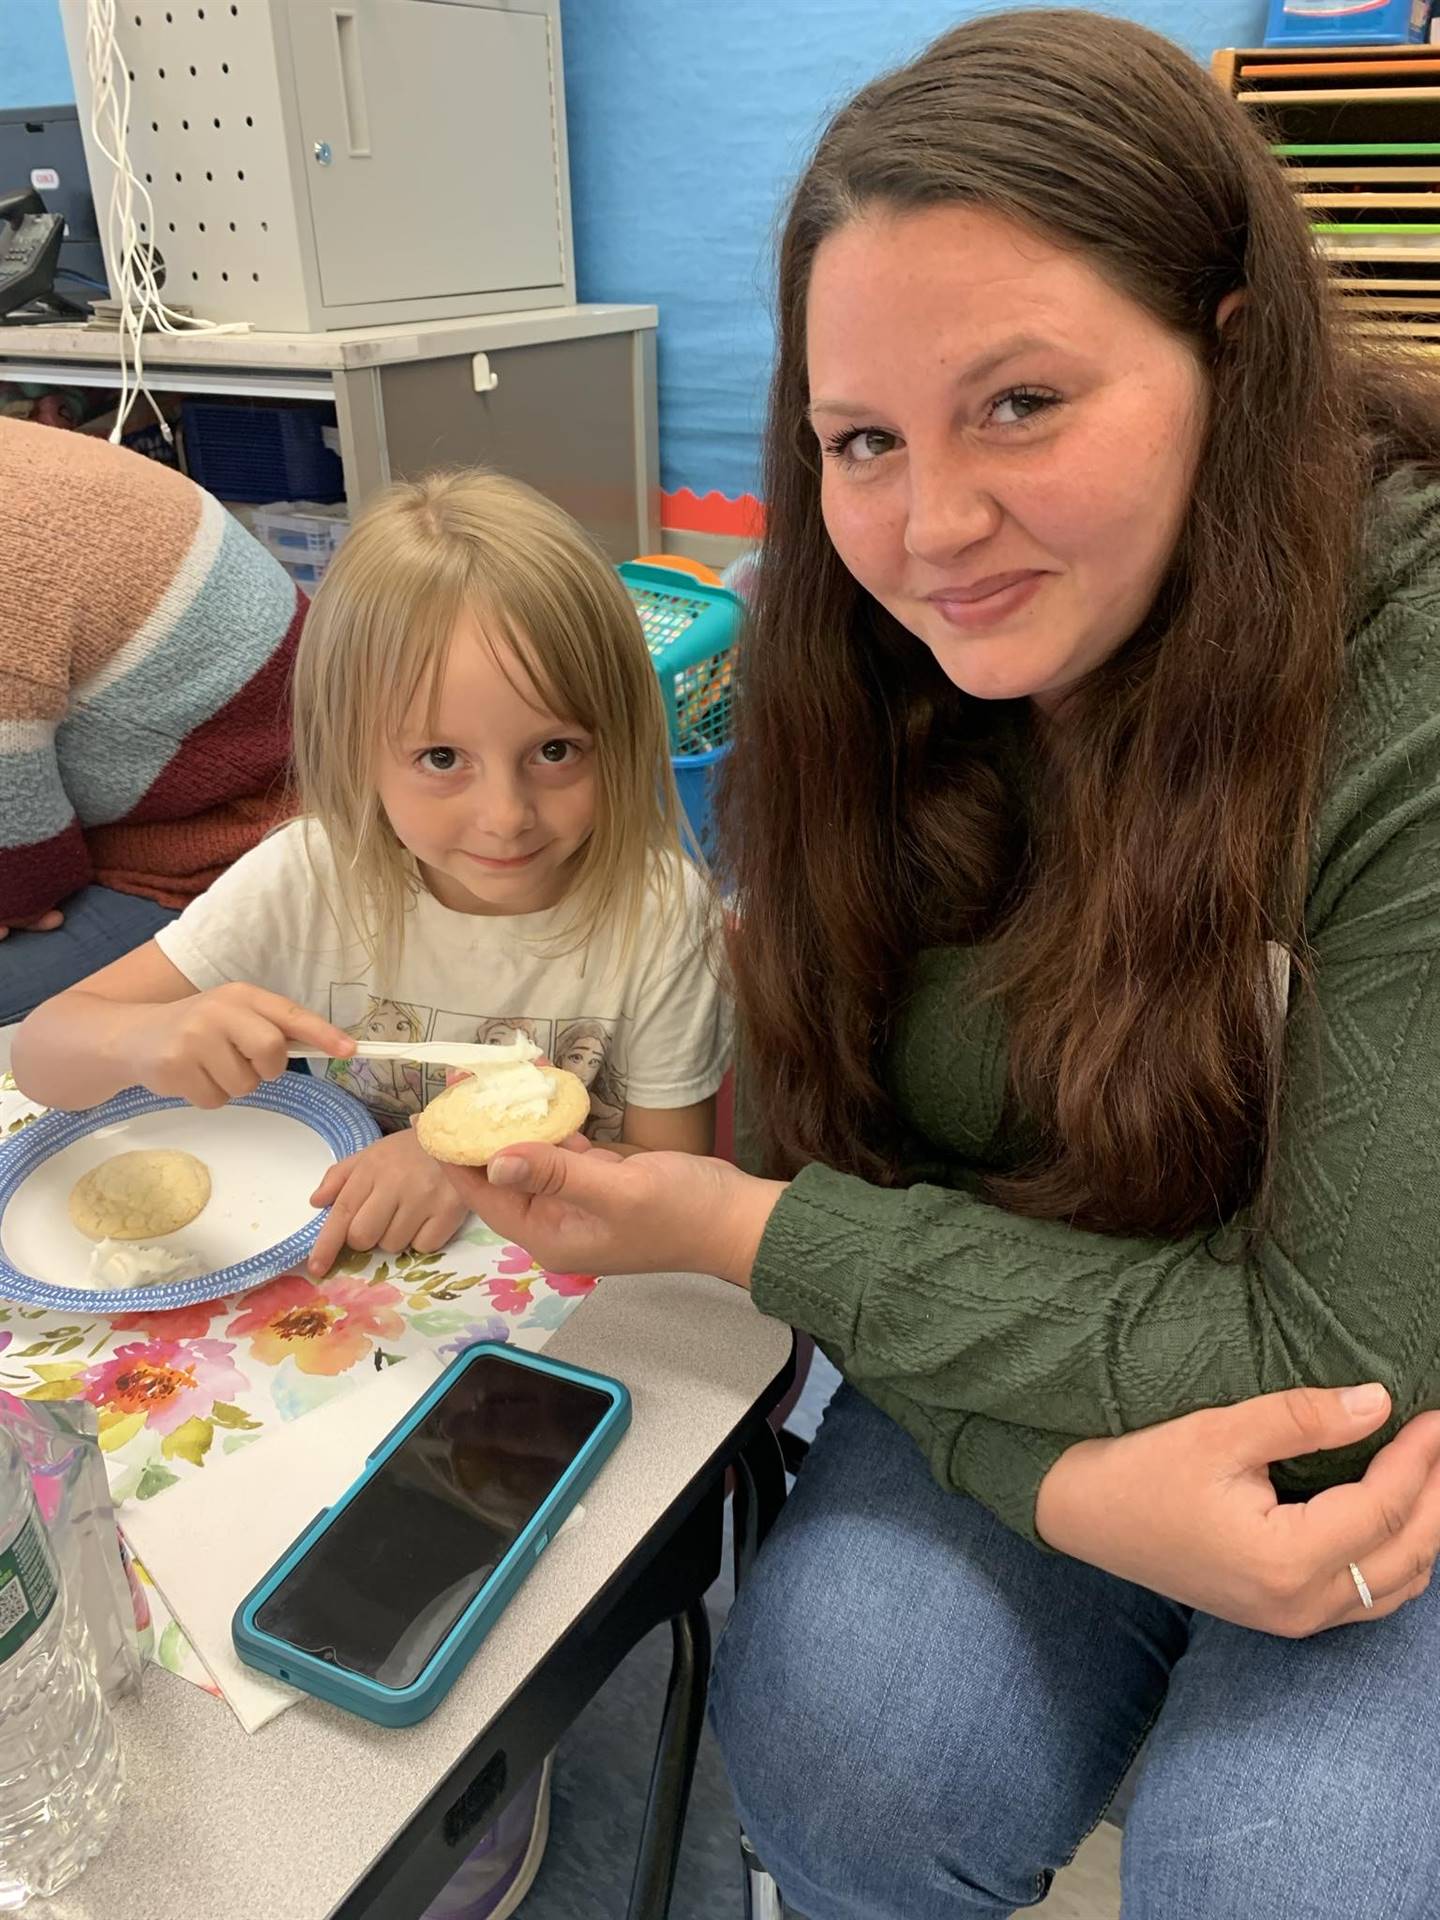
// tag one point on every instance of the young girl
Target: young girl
(489, 823)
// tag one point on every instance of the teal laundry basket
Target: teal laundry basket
(693, 632)
(696, 775)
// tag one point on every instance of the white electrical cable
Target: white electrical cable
(136, 292)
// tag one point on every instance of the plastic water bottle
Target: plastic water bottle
(60, 1773)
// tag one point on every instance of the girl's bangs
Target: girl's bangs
(417, 654)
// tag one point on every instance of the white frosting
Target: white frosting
(506, 1084)
(126, 1263)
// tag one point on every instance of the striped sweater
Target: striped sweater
(146, 647)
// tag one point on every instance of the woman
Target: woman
(1097, 663)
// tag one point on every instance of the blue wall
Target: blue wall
(687, 121)
(34, 71)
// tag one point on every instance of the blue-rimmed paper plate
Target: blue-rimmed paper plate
(266, 1153)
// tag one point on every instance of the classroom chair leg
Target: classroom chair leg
(762, 1896)
(759, 1494)
(674, 1768)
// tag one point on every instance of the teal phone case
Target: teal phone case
(403, 1706)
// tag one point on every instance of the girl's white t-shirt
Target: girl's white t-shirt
(650, 1028)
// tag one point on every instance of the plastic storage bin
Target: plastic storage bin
(692, 631)
(303, 536)
(1339, 23)
(695, 776)
(262, 453)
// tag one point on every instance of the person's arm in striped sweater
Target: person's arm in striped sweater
(146, 646)
(43, 856)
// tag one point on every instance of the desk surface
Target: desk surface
(341, 351)
(224, 1825)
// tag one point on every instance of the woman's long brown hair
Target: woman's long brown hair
(1166, 839)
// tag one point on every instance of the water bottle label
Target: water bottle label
(27, 1587)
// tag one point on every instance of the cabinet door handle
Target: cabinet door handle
(352, 84)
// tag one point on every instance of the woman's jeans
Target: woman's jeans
(923, 1715)
(100, 925)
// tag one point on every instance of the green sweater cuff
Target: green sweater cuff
(824, 1222)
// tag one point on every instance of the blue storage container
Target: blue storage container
(695, 776)
(1338, 23)
(260, 453)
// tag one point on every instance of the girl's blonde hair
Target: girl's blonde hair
(377, 637)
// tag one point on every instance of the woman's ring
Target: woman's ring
(1362, 1587)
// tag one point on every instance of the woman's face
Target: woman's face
(1009, 443)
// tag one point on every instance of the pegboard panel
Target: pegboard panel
(462, 209)
(208, 140)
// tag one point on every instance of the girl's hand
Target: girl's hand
(1187, 1509)
(581, 1209)
(216, 1046)
(392, 1195)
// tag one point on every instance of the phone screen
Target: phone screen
(398, 1565)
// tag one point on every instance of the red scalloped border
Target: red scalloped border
(688, 512)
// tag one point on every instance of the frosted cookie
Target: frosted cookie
(140, 1196)
(501, 1102)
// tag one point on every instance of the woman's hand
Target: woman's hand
(392, 1195)
(217, 1046)
(1187, 1509)
(582, 1209)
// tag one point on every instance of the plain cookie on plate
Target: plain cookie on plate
(454, 1127)
(141, 1195)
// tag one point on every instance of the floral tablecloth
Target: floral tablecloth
(176, 1391)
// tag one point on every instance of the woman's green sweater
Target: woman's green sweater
(996, 1340)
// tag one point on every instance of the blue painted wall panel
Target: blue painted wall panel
(34, 71)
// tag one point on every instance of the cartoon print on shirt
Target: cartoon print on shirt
(489, 1030)
(582, 1047)
(391, 1089)
(513, 1026)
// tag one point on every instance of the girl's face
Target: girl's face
(1009, 443)
(498, 799)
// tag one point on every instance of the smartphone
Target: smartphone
(385, 1596)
